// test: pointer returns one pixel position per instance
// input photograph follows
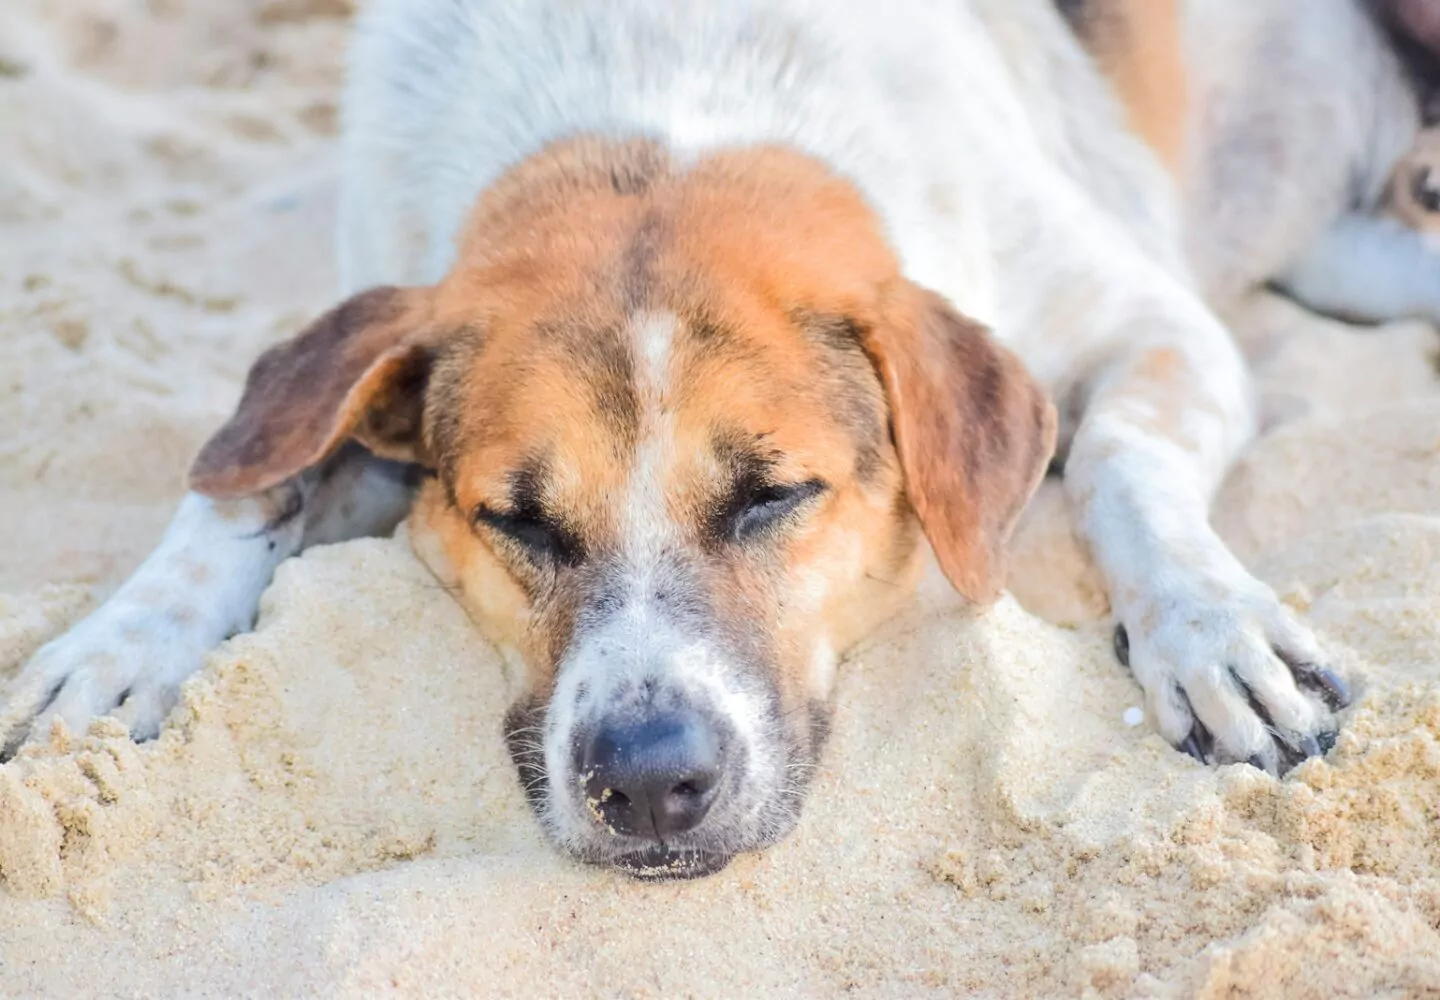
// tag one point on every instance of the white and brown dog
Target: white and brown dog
(676, 327)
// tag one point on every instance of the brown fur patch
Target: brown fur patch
(857, 399)
(974, 430)
(1138, 46)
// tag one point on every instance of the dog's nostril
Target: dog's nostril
(653, 778)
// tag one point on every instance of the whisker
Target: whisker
(451, 589)
(793, 711)
(881, 579)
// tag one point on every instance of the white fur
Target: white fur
(656, 335)
(1006, 180)
(201, 585)
(1369, 268)
(613, 663)
(648, 524)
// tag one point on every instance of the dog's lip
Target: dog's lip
(663, 863)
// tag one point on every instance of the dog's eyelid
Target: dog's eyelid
(771, 503)
(483, 513)
(537, 534)
(799, 492)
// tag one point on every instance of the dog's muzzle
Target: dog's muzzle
(655, 778)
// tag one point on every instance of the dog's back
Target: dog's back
(1301, 109)
(949, 116)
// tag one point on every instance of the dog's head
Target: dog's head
(686, 427)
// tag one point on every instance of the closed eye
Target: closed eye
(540, 539)
(760, 507)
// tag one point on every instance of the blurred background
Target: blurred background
(166, 209)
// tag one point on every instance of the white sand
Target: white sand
(331, 811)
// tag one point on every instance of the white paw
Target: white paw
(123, 659)
(1230, 674)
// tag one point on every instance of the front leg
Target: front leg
(288, 469)
(201, 585)
(1229, 673)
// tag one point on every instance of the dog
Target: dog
(681, 330)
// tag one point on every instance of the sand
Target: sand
(330, 811)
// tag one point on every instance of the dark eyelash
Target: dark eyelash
(540, 538)
(767, 504)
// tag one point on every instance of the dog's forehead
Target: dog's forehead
(594, 392)
(673, 321)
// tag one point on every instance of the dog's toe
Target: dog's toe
(145, 709)
(1234, 681)
(93, 689)
(127, 658)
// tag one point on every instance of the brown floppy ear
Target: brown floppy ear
(974, 430)
(358, 371)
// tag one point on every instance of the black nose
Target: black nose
(654, 777)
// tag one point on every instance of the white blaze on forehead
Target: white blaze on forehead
(646, 521)
(653, 334)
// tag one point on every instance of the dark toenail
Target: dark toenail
(1122, 645)
(1256, 763)
(1192, 747)
(1333, 688)
(1289, 758)
(1310, 746)
(1327, 741)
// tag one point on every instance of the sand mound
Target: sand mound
(331, 812)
